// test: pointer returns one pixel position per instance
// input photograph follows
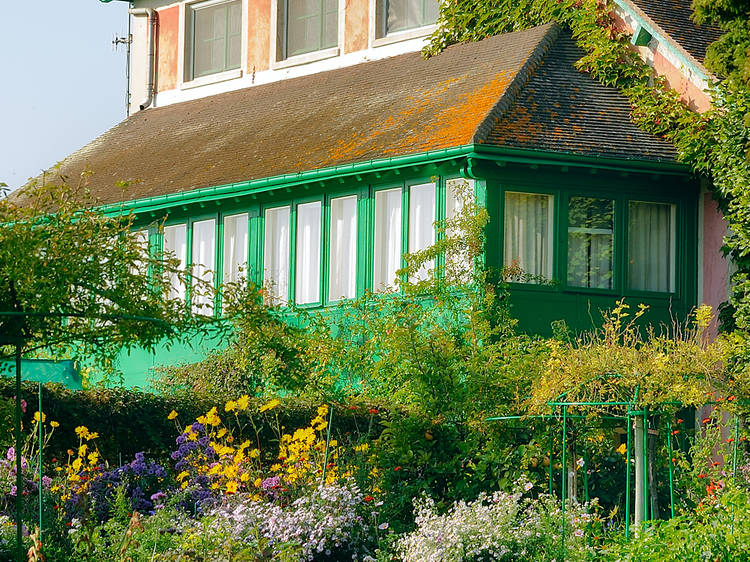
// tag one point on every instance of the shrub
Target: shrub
(503, 526)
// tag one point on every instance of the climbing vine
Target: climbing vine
(716, 144)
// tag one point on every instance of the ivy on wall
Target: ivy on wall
(716, 144)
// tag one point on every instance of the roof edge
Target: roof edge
(662, 36)
(533, 61)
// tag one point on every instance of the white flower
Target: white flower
(578, 532)
(580, 462)
(383, 526)
(528, 486)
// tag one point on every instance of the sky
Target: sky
(63, 83)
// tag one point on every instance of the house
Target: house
(312, 145)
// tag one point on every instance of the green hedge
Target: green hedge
(129, 421)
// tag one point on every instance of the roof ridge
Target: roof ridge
(533, 61)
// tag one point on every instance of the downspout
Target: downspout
(151, 13)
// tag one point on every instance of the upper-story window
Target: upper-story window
(402, 15)
(213, 37)
(306, 26)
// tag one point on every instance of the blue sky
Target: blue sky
(62, 83)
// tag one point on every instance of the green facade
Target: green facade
(494, 172)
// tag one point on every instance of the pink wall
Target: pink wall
(168, 38)
(715, 267)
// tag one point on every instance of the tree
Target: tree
(729, 56)
(75, 279)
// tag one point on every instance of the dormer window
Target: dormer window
(402, 15)
(213, 38)
(306, 26)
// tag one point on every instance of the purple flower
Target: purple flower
(46, 481)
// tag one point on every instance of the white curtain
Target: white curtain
(422, 224)
(175, 247)
(203, 250)
(590, 242)
(458, 192)
(141, 239)
(387, 244)
(651, 251)
(528, 235)
(276, 255)
(235, 248)
(307, 277)
(342, 273)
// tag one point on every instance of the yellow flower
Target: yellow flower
(270, 405)
(275, 467)
(322, 410)
(231, 487)
(82, 431)
(54, 424)
(93, 458)
(172, 415)
(36, 417)
(245, 445)
(362, 448)
(182, 475)
(622, 449)
(257, 483)
(91, 436)
(245, 476)
(254, 454)
(76, 464)
(333, 443)
(215, 486)
(82, 450)
(221, 433)
(184, 484)
(243, 402)
(230, 406)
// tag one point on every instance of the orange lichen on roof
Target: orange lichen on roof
(434, 118)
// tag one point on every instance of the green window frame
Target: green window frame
(213, 38)
(669, 210)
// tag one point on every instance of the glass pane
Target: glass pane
(527, 237)
(409, 14)
(276, 255)
(422, 224)
(217, 40)
(235, 248)
(141, 239)
(307, 278)
(387, 242)
(204, 243)
(590, 242)
(458, 192)
(342, 273)
(175, 247)
(651, 246)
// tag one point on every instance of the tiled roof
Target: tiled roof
(562, 110)
(673, 17)
(483, 92)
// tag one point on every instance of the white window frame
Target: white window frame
(184, 81)
(277, 51)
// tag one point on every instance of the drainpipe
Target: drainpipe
(151, 13)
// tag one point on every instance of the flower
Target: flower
(54, 424)
(36, 417)
(270, 405)
(383, 526)
(528, 486)
(172, 415)
(622, 449)
(580, 462)
(578, 532)
(230, 406)
(243, 402)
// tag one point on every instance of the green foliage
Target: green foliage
(718, 529)
(130, 420)
(728, 57)
(75, 278)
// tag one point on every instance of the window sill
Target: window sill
(212, 79)
(306, 58)
(405, 35)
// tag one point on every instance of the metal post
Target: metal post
(640, 470)
(564, 472)
(646, 503)
(669, 459)
(19, 477)
(41, 437)
(549, 468)
(627, 477)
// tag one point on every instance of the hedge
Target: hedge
(130, 420)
